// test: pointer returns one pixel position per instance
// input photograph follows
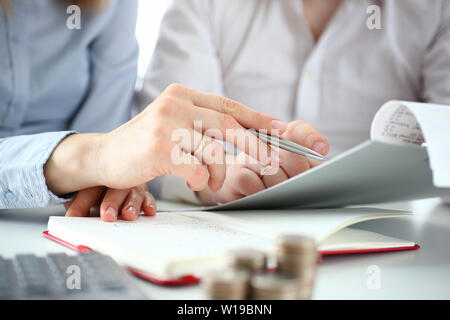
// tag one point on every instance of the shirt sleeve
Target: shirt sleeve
(22, 180)
(114, 56)
(436, 74)
(185, 53)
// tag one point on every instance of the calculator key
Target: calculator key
(107, 273)
(33, 275)
(5, 283)
(60, 264)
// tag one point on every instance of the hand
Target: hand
(245, 177)
(145, 148)
(129, 202)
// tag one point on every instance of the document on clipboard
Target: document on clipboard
(408, 157)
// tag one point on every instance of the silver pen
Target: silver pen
(288, 145)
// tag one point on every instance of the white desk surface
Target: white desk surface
(417, 274)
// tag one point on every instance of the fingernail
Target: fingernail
(132, 210)
(319, 147)
(110, 213)
(279, 125)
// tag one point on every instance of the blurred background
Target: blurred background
(149, 18)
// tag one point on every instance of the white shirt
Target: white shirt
(262, 53)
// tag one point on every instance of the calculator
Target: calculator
(86, 276)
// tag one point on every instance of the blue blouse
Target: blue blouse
(55, 81)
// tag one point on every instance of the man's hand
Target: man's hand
(245, 177)
(145, 148)
(129, 203)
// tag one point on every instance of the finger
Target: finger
(187, 167)
(274, 177)
(83, 202)
(294, 164)
(248, 182)
(149, 206)
(212, 154)
(132, 204)
(111, 204)
(226, 128)
(68, 204)
(308, 136)
(246, 116)
(227, 196)
(268, 174)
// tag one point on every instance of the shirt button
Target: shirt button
(10, 197)
(309, 74)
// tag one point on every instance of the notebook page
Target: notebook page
(414, 123)
(316, 223)
(357, 239)
(167, 245)
(174, 244)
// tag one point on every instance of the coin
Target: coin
(296, 255)
(305, 293)
(250, 260)
(295, 243)
(273, 287)
(247, 278)
(297, 258)
(226, 285)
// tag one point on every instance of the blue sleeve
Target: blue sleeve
(114, 55)
(22, 180)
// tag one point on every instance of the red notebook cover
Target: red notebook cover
(190, 279)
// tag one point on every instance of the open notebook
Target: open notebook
(179, 247)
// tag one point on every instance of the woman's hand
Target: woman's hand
(129, 203)
(245, 177)
(154, 143)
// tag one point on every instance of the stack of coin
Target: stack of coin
(297, 258)
(249, 260)
(226, 285)
(273, 286)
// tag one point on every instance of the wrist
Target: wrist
(73, 165)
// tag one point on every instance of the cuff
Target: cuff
(22, 183)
